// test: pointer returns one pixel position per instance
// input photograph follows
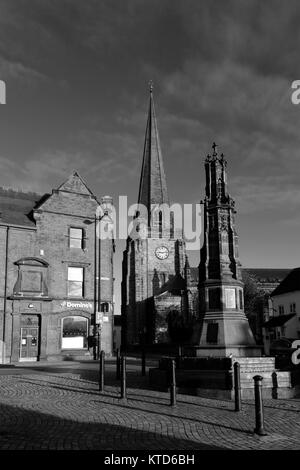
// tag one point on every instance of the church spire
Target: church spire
(153, 186)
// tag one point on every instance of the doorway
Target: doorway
(29, 338)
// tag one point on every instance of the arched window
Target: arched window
(171, 224)
(160, 220)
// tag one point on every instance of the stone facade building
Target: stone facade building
(52, 303)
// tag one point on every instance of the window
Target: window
(104, 307)
(76, 238)
(281, 309)
(74, 332)
(75, 282)
(293, 308)
(172, 225)
(160, 223)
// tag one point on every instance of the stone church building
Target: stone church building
(158, 291)
(56, 276)
(163, 298)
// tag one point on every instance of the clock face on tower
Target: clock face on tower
(162, 252)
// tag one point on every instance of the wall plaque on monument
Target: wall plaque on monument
(230, 300)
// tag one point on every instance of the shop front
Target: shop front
(75, 332)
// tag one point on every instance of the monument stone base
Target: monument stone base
(226, 351)
(219, 383)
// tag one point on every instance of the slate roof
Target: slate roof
(268, 274)
(290, 283)
(174, 285)
(278, 320)
(262, 275)
(16, 206)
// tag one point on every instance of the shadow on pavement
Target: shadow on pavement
(32, 430)
(117, 401)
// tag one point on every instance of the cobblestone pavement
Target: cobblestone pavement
(61, 408)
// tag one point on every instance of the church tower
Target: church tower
(224, 326)
(156, 253)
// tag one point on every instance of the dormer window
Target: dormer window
(76, 238)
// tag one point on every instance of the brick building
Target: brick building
(52, 305)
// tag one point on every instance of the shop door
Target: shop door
(29, 344)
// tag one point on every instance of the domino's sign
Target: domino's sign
(2, 92)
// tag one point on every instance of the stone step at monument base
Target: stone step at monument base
(235, 350)
(214, 384)
(220, 383)
(256, 364)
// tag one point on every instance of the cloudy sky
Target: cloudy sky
(77, 76)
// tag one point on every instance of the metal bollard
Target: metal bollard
(101, 371)
(259, 411)
(275, 385)
(118, 359)
(237, 387)
(123, 381)
(143, 361)
(173, 383)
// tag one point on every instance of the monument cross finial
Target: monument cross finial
(214, 146)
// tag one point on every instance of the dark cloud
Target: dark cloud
(77, 74)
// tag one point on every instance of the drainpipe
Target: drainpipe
(99, 288)
(95, 290)
(4, 296)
